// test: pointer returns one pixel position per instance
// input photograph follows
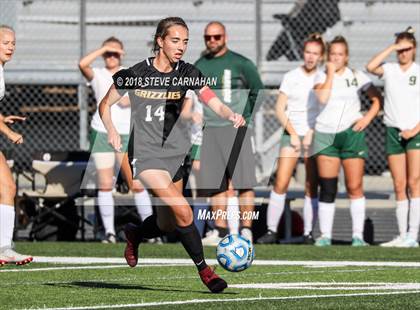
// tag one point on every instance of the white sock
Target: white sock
(358, 213)
(143, 204)
(233, 212)
(414, 222)
(402, 216)
(106, 208)
(7, 224)
(326, 212)
(275, 210)
(310, 212)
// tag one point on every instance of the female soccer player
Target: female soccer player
(158, 86)
(340, 138)
(296, 94)
(104, 156)
(402, 120)
(7, 184)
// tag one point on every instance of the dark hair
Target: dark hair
(114, 40)
(338, 40)
(315, 37)
(162, 29)
(408, 35)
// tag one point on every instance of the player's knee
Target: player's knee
(355, 189)
(8, 189)
(414, 184)
(184, 217)
(400, 186)
(328, 189)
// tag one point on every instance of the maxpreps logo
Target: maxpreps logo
(158, 95)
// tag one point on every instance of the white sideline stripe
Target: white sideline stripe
(182, 261)
(331, 286)
(203, 301)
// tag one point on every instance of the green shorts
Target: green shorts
(344, 145)
(397, 145)
(99, 142)
(195, 152)
(285, 139)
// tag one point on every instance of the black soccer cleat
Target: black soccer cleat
(270, 237)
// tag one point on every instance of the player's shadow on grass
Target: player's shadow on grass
(93, 284)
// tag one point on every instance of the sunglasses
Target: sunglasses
(111, 54)
(404, 50)
(216, 37)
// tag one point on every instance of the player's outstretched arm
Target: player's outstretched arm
(111, 97)
(210, 99)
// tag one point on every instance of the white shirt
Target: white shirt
(101, 82)
(2, 86)
(196, 129)
(343, 107)
(402, 96)
(302, 105)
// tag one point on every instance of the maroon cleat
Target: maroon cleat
(212, 280)
(131, 252)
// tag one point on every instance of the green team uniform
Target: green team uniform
(235, 73)
(345, 144)
(395, 144)
(227, 153)
(99, 142)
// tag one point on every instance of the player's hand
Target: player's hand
(115, 140)
(403, 45)
(361, 124)
(307, 140)
(331, 68)
(237, 120)
(407, 134)
(15, 137)
(295, 142)
(12, 118)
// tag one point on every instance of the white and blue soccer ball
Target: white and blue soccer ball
(235, 253)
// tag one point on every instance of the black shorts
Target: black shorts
(227, 154)
(174, 165)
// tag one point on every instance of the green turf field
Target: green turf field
(283, 277)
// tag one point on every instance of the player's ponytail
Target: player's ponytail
(317, 38)
(408, 35)
(162, 29)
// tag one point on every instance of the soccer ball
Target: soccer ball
(235, 253)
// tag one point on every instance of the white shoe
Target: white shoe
(393, 243)
(408, 242)
(157, 240)
(247, 233)
(212, 238)
(9, 256)
(110, 238)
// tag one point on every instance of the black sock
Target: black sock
(191, 240)
(223, 231)
(149, 228)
